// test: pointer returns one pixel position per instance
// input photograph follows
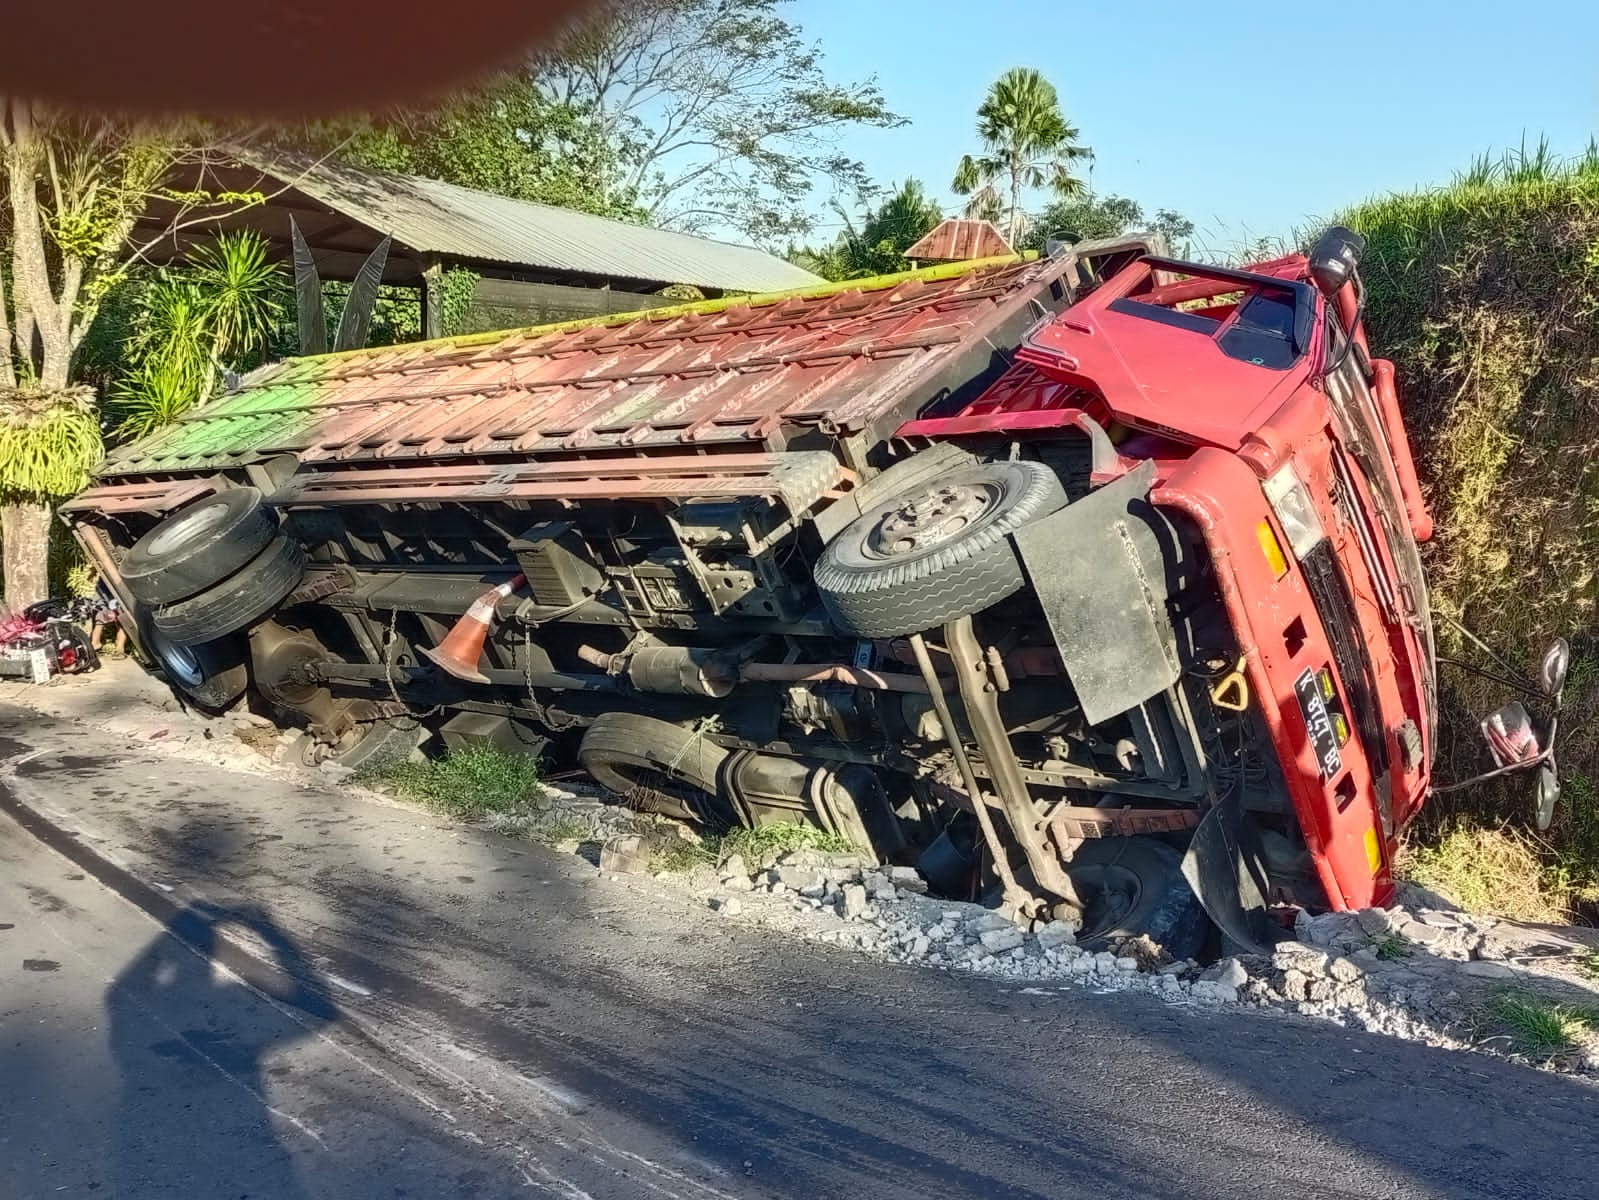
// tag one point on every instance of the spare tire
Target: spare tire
(936, 551)
(238, 601)
(198, 546)
(1132, 886)
(655, 765)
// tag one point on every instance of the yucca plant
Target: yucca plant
(191, 323)
(241, 290)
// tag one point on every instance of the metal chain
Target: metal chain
(705, 725)
(388, 672)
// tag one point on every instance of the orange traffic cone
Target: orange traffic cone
(462, 647)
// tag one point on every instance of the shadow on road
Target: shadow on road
(192, 1020)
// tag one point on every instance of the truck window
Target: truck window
(1255, 319)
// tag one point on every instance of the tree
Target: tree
(885, 233)
(70, 191)
(1084, 217)
(1026, 143)
(718, 111)
(503, 136)
(1088, 217)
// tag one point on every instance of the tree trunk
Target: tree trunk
(1015, 209)
(26, 530)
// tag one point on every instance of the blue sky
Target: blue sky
(1251, 119)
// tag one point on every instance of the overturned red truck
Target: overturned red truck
(1090, 581)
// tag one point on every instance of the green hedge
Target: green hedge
(1486, 295)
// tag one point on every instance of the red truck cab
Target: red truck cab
(1250, 401)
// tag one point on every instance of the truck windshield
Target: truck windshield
(1365, 440)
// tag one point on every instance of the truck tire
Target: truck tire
(655, 765)
(212, 675)
(238, 601)
(1134, 886)
(372, 749)
(936, 551)
(198, 546)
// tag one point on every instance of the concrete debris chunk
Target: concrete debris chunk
(1484, 969)
(1344, 970)
(996, 941)
(626, 854)
(1229, 972)
(878, 886)
(908, 879)
(1055, 934)
(1209, 991)
(1426, 935)
(1374, 922)
(989, 921)
(1299, 957)
(852, 901)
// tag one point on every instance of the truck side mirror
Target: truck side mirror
(1556, 663)
(1334, 257)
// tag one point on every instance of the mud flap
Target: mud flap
(1100, 568)
(1225, 869)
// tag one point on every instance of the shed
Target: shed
(956, 239)
(535, 263)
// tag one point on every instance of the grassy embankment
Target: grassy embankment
(1486, 295)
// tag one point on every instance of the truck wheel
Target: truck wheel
(1132, 886)
(368, 750)
(211, 674)
(247, 596)
(198, 546)
(654, 765)
(936, 551)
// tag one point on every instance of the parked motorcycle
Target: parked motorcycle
(46, 640)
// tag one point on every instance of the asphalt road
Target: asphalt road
(218, 985)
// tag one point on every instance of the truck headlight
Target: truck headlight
(1291, 502)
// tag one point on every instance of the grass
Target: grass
(1485, 293)
(1498, 870)
(1392, 947)
(756, 846)
(473, 781)
(482, 783)
(1537, 1027)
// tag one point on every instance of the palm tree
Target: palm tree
(1026, 142)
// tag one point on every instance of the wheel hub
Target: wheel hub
(929, 518)
(181, 661)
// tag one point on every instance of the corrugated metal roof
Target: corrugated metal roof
(956, 240)
(725, 379)
(458, 222)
